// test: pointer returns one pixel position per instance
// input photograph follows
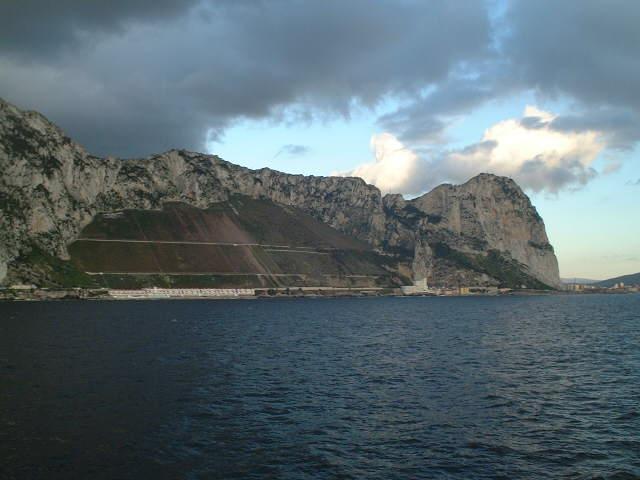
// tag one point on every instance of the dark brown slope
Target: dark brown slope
(240, 243)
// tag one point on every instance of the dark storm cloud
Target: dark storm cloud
(132, 77)
(585, 51)
(425, 119)
(620, 125)
(146, 80)
(38, 28)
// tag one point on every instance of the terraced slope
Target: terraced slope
(242, 242)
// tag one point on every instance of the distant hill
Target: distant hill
(582, 281)
(632, 279)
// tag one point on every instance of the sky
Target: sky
(405, 94)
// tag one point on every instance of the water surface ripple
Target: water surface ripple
(387, 388)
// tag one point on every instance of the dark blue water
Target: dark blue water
(515, 387)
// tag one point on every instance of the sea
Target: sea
(516, 387)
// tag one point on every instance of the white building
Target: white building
(419, 286)
(156, 292)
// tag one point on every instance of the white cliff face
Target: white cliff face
(422, 265)
(50, 188)
(496, 211)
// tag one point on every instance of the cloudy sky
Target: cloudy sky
(405, 94)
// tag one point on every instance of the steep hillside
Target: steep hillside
(484, 232)
(240, 243)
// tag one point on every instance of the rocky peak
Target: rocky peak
(50, 188)
(495, 211)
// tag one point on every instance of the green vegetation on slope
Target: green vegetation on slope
(54, 271)
(509, 272)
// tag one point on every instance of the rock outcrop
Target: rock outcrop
(50, 188)
(494, 214)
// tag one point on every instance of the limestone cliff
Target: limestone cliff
(496, 214)
(50, 188)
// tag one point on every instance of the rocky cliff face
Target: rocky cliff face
(50, 188)
(493, 213)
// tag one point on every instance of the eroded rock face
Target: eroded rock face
(422, 264)
(497, 215)
(50, 188)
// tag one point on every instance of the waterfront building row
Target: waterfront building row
(156, 292)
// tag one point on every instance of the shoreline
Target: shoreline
(79, 294)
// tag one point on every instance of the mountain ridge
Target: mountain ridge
(51, 188)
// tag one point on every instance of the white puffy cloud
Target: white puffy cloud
(531, 150)
(395, 166)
